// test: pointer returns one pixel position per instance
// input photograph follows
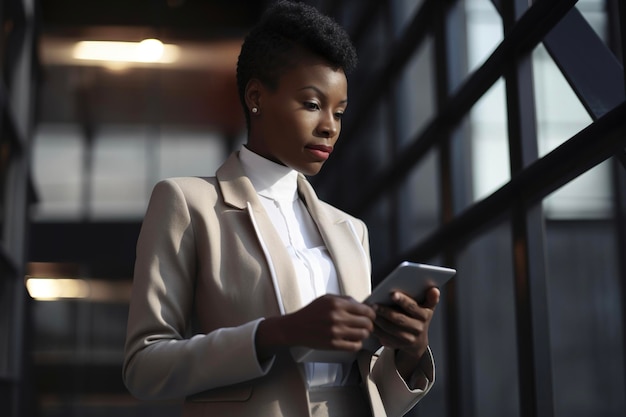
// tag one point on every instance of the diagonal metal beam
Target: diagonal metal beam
(588, 65)
(529, 30)
(596, 143)
(593, 72)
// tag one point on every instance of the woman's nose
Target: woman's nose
(328, 126)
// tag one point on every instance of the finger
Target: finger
(345, 337)
(361, 309)
(407, 304)
(357, 322)
(388, 339)
(395, 321)
(432, 298)
(391, 335)
(351, 306)
(345, 344)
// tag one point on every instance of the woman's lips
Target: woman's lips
(320, 151)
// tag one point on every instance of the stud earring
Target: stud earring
(255, 110)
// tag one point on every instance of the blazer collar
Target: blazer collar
(238, 192)
(338, 234)
(341, 241)
(236, 188)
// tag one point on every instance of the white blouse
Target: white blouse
(315, 272)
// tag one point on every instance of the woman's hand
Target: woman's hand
(404, 326)
(328, 322)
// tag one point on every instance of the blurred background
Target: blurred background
(485, 135)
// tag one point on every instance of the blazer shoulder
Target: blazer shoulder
(184, 191)
(187, 185)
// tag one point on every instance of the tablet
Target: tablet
(412, 279)
(408, 277)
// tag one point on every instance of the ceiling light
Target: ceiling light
(51, 289)
(56, 288)
(147, 51)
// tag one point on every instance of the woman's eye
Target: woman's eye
(311, 105)
(339, 115)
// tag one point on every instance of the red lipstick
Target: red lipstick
(320, 151)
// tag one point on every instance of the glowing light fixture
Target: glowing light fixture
(146, 51)
(56, 288)
(51, 289)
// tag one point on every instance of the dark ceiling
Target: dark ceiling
(174, 19)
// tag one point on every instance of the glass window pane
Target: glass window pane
(187, 152)
(415, 104)
(403, 12)
(560, 115)
(485, 294)
(484, 31)
(419, 203)
(585, 315)
(127, 161)
(490, 146)
(594, 12)
(57, 171)
(589, 196)
(119, 172)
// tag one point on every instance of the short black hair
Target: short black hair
(285, 32)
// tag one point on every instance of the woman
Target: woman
(235, 271)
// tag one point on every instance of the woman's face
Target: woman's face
(299, 122)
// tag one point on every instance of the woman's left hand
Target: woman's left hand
(404, 326)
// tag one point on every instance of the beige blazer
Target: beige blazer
(209, 266)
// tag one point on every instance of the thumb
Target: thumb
(432, 298)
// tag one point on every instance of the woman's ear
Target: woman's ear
(253, 95)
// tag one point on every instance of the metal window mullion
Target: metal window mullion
(529, 265)
(617, 26)
(534, 354)
(448, 33)
(392, 98)
(619, 204)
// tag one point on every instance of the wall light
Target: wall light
(51, 289)
(56, 288)
(146, 51)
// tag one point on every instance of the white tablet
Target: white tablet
(408, 277)
(412, 279)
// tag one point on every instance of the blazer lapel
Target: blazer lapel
(239, 193)
(342, 242)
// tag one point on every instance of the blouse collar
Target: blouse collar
(269, 179)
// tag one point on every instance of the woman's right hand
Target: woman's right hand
(330, 322)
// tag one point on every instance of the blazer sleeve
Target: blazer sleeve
(160, 360)
(397, 397)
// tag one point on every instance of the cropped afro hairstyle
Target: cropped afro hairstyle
(286, 32)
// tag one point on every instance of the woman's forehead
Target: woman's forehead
(316, 75)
